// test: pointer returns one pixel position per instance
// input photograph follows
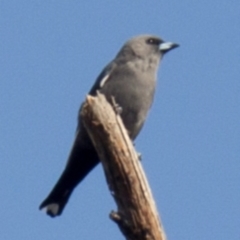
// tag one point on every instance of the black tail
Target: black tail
(81, 162)
(55, 205)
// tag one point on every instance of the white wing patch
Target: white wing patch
(103, 81)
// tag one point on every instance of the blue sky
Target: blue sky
(50, 54)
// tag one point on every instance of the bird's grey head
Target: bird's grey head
(144, 47)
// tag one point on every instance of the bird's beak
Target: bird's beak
(167, 46)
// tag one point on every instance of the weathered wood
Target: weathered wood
(137, 215)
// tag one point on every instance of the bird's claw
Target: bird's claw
(116, 107)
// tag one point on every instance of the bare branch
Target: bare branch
(137, 215)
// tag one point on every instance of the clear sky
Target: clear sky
(50, 55)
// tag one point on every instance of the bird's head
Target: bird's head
(145, 46)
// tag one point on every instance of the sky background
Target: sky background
(50, 55)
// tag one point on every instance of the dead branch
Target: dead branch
(137, 215)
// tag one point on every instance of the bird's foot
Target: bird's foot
(116, 107)
(139, 156)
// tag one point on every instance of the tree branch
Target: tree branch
(137, 215)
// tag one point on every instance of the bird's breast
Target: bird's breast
(133, 92)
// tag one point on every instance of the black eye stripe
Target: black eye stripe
(154, 41)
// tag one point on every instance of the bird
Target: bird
(131, 79)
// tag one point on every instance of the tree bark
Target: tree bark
(137, 215)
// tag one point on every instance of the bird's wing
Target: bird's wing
(103, 77)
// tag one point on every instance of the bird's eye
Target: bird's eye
(153, 41)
